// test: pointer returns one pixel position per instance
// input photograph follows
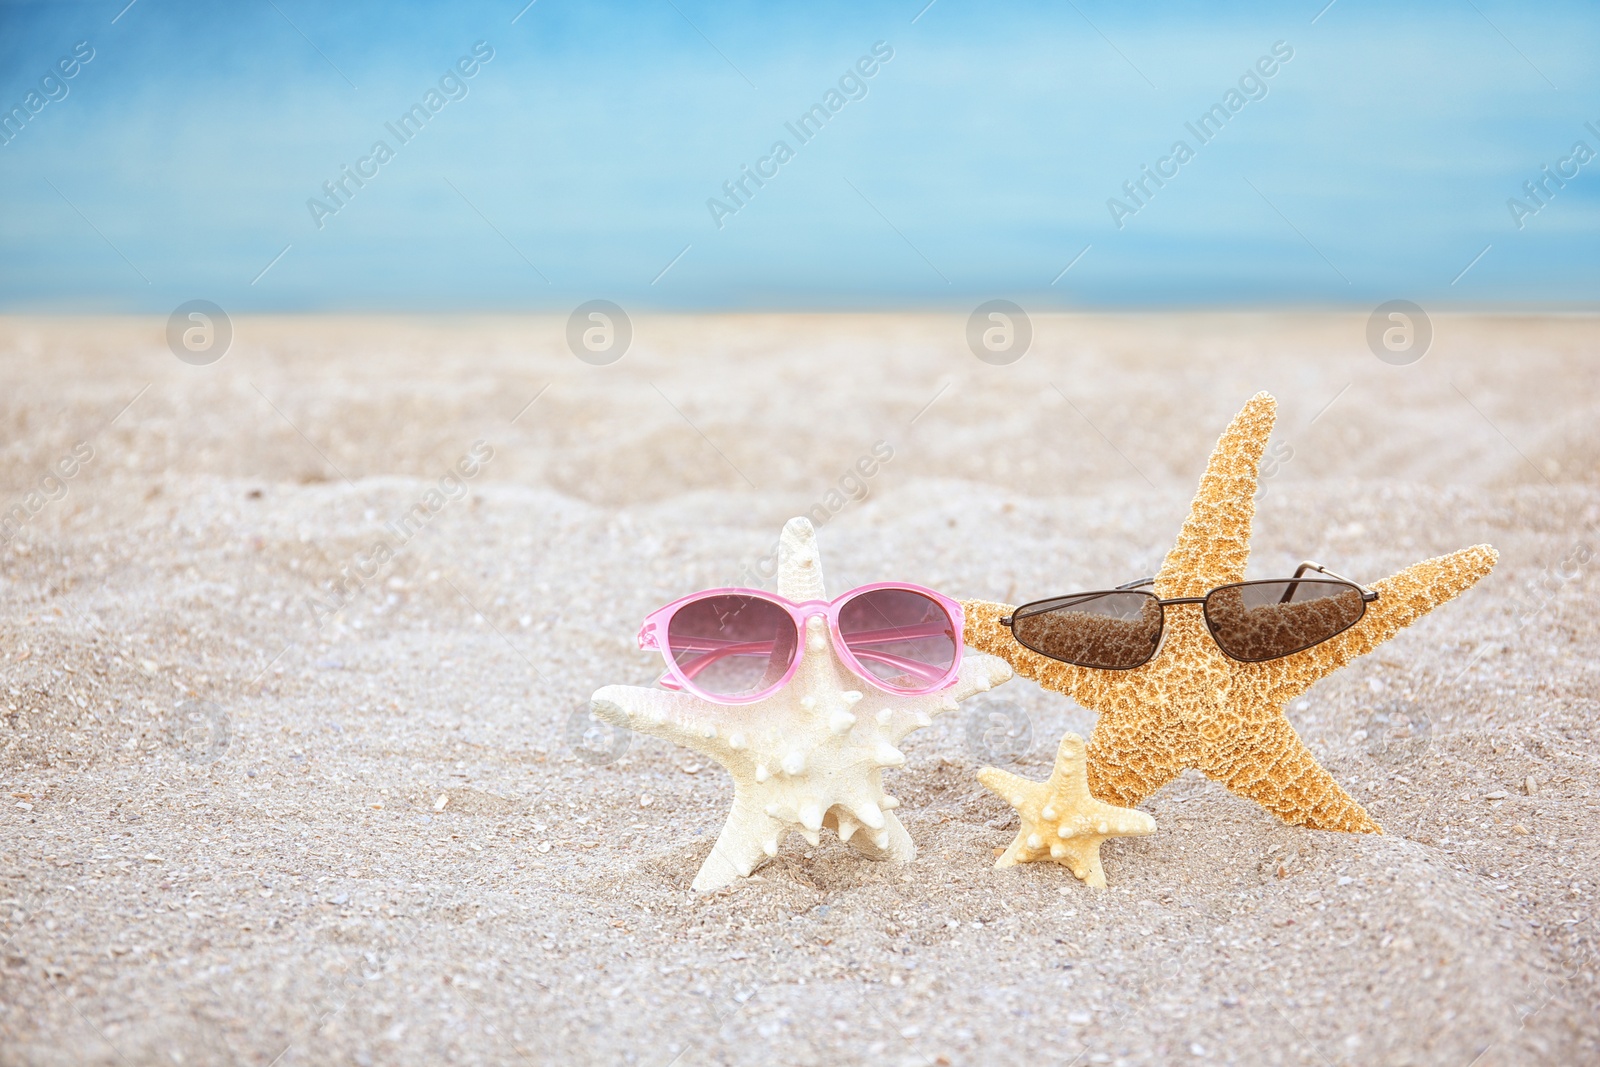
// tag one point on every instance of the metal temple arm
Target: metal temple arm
(1310, 565)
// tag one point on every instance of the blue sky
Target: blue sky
(979, 163)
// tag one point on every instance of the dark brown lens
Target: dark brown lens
(1256, 621)
(1111, 631)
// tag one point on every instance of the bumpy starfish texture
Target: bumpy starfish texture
(811, 755)
(1060, 820)
(1193, 707)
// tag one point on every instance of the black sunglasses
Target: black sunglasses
(1119, 629)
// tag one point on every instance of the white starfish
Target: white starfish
(812, 754)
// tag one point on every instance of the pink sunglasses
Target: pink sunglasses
(737, 646)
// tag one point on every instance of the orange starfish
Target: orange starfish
(1191, 706)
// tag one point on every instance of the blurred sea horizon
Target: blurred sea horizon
(933, 156)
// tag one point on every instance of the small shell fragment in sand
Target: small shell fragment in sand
(1521, 829)
(1498, 794)
(544, 846)
(646, 800)
(438, 805)
(1530, 785)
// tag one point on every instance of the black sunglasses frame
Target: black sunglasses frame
(1367, 597)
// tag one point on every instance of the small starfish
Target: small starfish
(1192, 706)
(1060, 820)
(812, 754)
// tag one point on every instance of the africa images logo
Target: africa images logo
(852, 85)
(52, 87)
(452, 86)
(1252, 85)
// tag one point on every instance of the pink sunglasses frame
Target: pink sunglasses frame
(658, 621)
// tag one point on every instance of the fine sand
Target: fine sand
(243, 824)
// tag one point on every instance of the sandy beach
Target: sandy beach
(268, 799)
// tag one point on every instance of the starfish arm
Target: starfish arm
(1129, 760)
(1273, 767)
(1109, 820)
(1069, 777)
(1015, 853)
(897, 846)
(979, 674)
(1011, 788)
(748, 838)
(1082, 858)
(1403, 598)
(984, 632)
(799, 562)
(857, 814)
(678, 717)
(1214, 545)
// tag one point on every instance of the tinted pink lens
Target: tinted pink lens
(732, 646)
(903, 639)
